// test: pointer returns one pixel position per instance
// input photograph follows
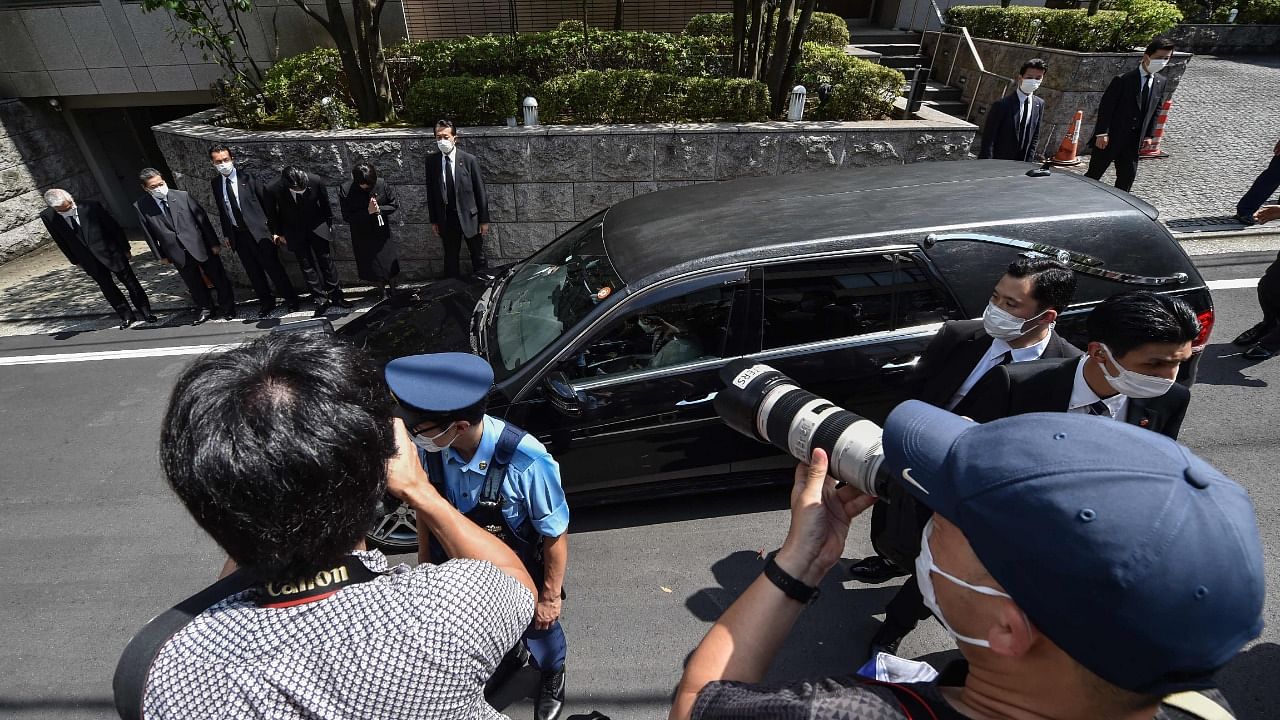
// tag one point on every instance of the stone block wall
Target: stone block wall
(37, 153)
(543, 180)
(1075, 80)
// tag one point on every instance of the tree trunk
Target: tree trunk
(766, 37)
(753, 39)
(739, 37)
(778, 61)
(1093, 6)
(617, 13)
(797, 46)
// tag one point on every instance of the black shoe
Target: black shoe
(1252, 335)
(1258, 352)
(1246, 220)
(203, 317)
(265, 311)
(876, 569)
(126, 321)
(321, 309)
(886, 640)
(150, 318)
(550, 696)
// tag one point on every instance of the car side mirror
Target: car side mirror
(560, 392)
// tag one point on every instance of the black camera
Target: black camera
(760, 402)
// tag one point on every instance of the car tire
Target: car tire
(395, 527)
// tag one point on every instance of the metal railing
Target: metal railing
(961, 35)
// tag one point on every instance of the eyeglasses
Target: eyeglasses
(433, 438)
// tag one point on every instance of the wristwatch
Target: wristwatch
(790, 586)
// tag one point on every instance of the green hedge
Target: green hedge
(1132, 24)
(1252, 12)
(625, 96)
(861, 90)
(824, 28)
(466, 100)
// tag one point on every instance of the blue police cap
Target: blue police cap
(439, 383)
(1137, 558)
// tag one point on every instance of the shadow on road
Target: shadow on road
(1248, 681)
(681, 508)
(1223, 364)
(60, 288)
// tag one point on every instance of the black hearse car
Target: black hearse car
(607, 343)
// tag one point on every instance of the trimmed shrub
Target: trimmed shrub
(294, 86)
(1132, 24)
(626, 96)
(860, 90)
(466, 100)
(824, 28)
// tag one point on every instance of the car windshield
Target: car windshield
(550, 292)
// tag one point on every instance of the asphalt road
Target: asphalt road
(93, 544)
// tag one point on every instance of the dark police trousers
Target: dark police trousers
(547, 648)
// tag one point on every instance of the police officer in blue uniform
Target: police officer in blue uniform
(501, 478)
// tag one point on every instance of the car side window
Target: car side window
(677, 331)
(921, 299)
(820, 300)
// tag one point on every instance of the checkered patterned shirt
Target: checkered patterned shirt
(414, 643)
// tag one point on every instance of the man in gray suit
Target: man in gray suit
(456, 200)
(179, 233)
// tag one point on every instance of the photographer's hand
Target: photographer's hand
(820, 517)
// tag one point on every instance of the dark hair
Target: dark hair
(147, 173)
(294, 177)
(278, 448)
(365, 174)
(1052, 283)
(1033, 64)
(1125, 321)
(443, 123)
(1160, 42)
(219, 147)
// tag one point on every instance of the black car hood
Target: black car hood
(435, 318)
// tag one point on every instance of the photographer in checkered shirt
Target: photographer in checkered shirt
(281, 449)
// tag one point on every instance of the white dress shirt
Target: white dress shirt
(1082, 396)
(235, 190)
(992, 358)
(75, 213)
(1023, 108)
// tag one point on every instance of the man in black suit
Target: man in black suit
(303, 220)
(91, 239)
(1016, 327)
(179, 233)
(1137, 342)
(456, 200)
(1126, 116)
(246, 225)
(1012, 130)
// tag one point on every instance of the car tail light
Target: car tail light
(1206, 328)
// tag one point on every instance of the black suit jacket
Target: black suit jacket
(253, 206)
(955, 351)
(1120, 114)
(468, 185)
(311, 215)
(1046, 385)
(100, 239)
(1000, 133)
(186, 228)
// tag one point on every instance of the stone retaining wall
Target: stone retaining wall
(1214, 39)
(543, 180)
(37, 153)
(1075, 80)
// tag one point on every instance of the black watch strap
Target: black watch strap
(790, 586)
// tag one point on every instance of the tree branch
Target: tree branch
(314, 15)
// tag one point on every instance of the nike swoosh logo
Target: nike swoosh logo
(906, 475)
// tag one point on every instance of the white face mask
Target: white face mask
(429, 443)
(445, 145)
(225, 168)
(1155, 65)
(647, 325)
(67, 213)
(159, 192)
(1029, 86)
(924, 568)
(296, 193)
(1133, 384)
(1000, 323)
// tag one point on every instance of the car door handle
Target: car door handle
(908, 362)
(710, 396)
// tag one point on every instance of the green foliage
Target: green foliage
(861, 90)
(1255, 12)
(467, 100)
(295, 85)
(216, 28)
(626, 96)
(824, 28)
(241, 103)
(1131, 24)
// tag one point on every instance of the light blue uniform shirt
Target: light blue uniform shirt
(531, 488)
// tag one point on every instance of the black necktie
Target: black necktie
(1146, 95)
(233, 202)
(1024, 137)
(1099, 408)
(451, 194)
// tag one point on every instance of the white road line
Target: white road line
(113, 354)
(1233, 284)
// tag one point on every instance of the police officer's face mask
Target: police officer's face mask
(428, 442)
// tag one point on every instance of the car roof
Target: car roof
(657, 235)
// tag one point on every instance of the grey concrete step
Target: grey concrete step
(890, 48)
(954, 108)
(939, 92)
(904, 62)
(860, 34)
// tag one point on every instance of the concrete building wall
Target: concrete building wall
(37, 152)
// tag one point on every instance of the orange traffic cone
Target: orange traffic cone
(1153, 150)
(1066, 154)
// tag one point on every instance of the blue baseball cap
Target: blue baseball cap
(439, 383)
(1137, 558)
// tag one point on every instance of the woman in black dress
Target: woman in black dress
(366, 203)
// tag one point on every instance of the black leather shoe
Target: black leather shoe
(1252, 335)
(1258, 352)
(265, 312)
(203, 317)
(876, 569)
(1246, 220)
(126, 321)
(886, 640)
(321, 309)
(150, 318)
(550, 696)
